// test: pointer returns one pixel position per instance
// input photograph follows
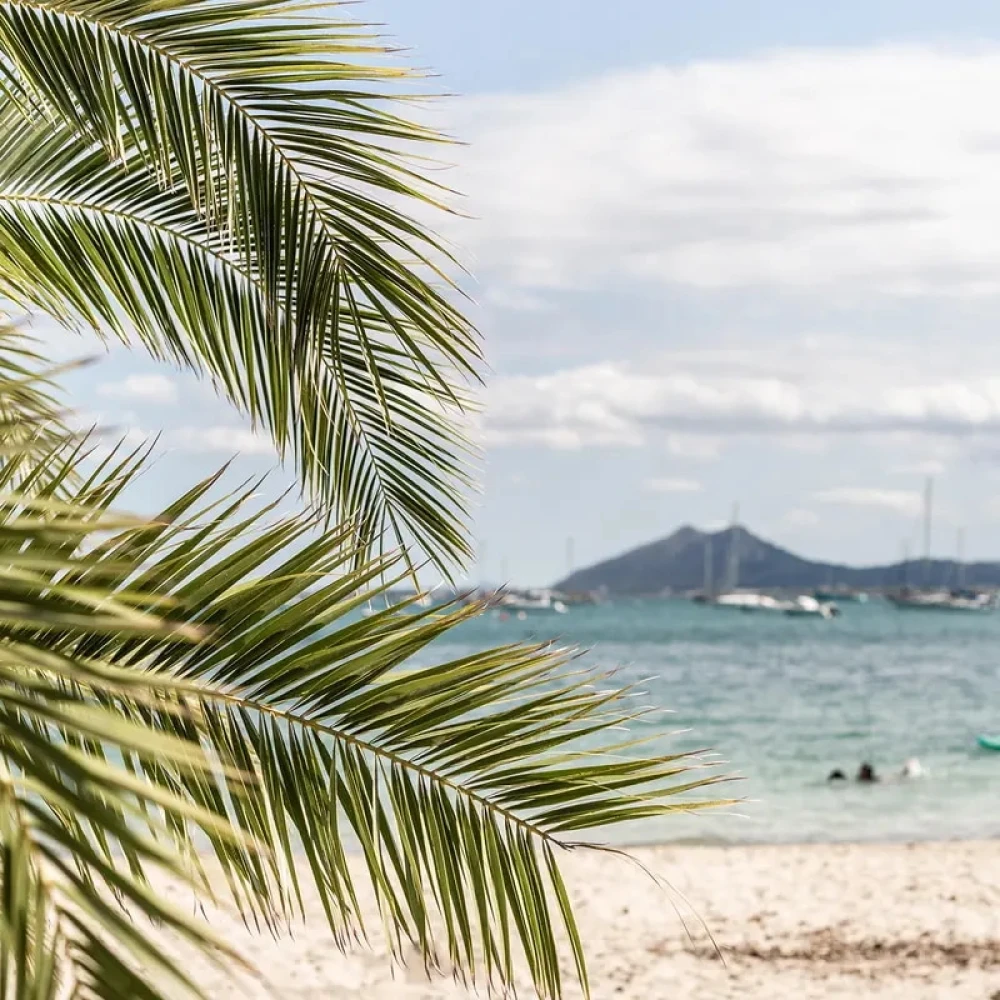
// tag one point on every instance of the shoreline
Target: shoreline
(916, 920)
(722, 844)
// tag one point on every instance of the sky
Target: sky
(730, 252)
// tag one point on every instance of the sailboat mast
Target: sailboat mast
(570, 560)
(928, 500)
(734, 550)
(708, 581)
(960, 558)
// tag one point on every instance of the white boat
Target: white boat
(732, 599)
(972, 602)
(803, 606)
(808, 607)
(941, 600)
(960, 599)
(748, 602)
(531, 600)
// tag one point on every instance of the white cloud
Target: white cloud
(901, 501)
(114, 440)
(56, 343)
(807, 170)
(824, 181)
(799, 517)
(803, 444)
(150, 388)
(195, 440)
(668, 485)
(698, 447)
(230, 440)
(514, 299)
(709, 395)
(927, 467)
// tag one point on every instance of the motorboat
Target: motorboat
(531, 601)
(805, 606)
(941, 600)
(747, 602)
(732, 599)
(802, 606)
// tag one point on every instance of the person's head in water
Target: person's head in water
(836, 775)
(867, 773)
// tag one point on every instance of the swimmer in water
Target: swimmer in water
(866, 774)
(836, 775)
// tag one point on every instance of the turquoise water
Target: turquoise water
(783, 701)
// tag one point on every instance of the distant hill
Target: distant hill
(677, 563)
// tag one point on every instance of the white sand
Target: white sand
(919, 922)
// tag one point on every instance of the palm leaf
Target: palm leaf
(205, 677)
(77, 831)
(31, 417)
(227, 182)
(267, 126)
(460, 782)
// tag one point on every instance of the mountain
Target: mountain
(677, 563)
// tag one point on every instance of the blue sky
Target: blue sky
(724, 251)
(526, 45)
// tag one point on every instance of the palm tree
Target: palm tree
(229, 183)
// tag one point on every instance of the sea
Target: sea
(781, 702)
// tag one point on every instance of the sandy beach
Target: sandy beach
(900, 921)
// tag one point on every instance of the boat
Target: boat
(958, 599)
(752, 602)
(749, 601)
(809, 607)
(941, 600)
(988, 742)
(732, 599)
(531, 601)
(802, 606)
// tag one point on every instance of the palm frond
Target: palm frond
(77, 830)
(92, 240)
(460, 782)
(32, 420)
(268, 122)
(205, 677)
(227, 181)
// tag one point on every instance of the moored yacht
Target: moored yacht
(959, 598)
(732, 599)
(809, 607)
(941, 600)
(531, 600)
